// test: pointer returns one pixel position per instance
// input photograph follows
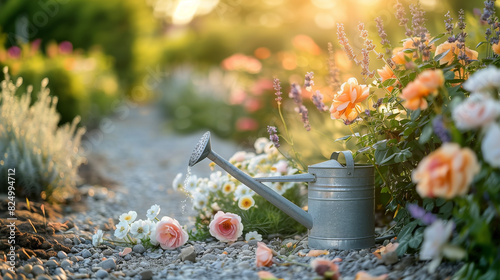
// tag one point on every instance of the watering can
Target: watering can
(341, 200)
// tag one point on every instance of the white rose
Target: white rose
(477, 111)
(490, 145)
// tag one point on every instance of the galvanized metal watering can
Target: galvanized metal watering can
(340, 198)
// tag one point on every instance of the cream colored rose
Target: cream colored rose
(446, 172)
(477, 111)
(490, 146)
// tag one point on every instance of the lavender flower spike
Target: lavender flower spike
(317, 99)
(295, 93)
(273, 136)
(308, 83)
(277, 88)
(418, 212)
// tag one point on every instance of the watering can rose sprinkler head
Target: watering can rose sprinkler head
(203, 150)
(340, 198)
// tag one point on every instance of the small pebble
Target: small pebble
(146, 275)
(86, 253)
(51, 263)
(62, 255)
(139, 249)
(38, 270)
(101, 273)
(107, 264)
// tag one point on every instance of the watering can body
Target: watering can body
(342, 204)
(341, 200)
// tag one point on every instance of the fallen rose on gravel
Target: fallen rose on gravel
(266, 275)
(170, 234)
(363, 275)
(226, 227)
(326, 268)
(263, 255)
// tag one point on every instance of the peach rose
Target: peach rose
(263, 255)
(496, 48)
(226, 227)
(345, 103)
(426, 83)
(266, 275)
(446, 172)
(476, 111)
(170, 234)
(324, 266)
(363, 275)
(386, 73)
(453, 53)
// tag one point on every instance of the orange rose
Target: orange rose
(363, 275)
(345, 103)
(432, 79)
(453, 53)
(263, 255)
(426, 83)
(496, 48)
(446, 172)
(386, 73)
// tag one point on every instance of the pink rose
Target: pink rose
(263, 255)
(170, 234)
(226, 227)
(476, 111)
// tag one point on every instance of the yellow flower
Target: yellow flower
(246, 202)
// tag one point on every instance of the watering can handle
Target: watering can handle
(349, 161)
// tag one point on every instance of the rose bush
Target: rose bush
(430, 125)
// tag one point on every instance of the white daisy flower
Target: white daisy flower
(128, 217)
(153, 212)
(122, 229)
(200, 201)
(228, 187)
(177, 182)
(253, 235)
(241, 191)
(261, 144)
(246, 202)
(212, 186)
(139, 229)
(152, 234)
(97, 238)
(191, 183)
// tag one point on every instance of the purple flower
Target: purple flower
(14, 52)
(66, 47)
(295, 93)
(419, 213)
(277, 88)
(302, 110)
(273, 136)
(440, 129)
(308, 83)
(317, 99)
(379, 102)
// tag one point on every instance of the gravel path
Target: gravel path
(142, 157)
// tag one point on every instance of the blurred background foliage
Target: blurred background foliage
(209, 64)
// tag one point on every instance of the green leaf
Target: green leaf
(417, 238)
(480, 43)
(426, 134)
(437, 37)
(441, 55)
(409, 50)
(388, 82)
(415, 114)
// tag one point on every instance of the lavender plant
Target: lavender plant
(46, 157)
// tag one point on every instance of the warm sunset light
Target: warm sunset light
(249, 139)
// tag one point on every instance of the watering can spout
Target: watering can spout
(203, 150)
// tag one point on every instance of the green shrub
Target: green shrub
(45, 157)
(85, 84)
(112, 25)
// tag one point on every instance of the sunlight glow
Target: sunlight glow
(185, 11)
